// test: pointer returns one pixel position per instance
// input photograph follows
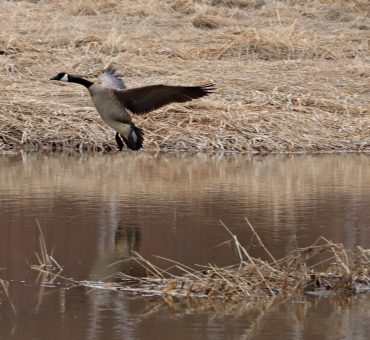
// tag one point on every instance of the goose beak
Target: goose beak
(54, 78)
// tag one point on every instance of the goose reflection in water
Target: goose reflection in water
(119, 258)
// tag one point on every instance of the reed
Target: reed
(292, 75)
(44, 257)
(48, 268)
(5, 290)
(324, 268)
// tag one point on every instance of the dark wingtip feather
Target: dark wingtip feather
(208, 88)
(195, 92)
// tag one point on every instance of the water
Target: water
(95, 209)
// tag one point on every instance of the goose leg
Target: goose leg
(119, 142)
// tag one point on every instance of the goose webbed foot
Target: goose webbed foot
(119, 142)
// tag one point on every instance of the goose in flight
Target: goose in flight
(115, 102)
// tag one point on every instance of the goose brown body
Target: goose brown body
(110, 109)
(114, 102)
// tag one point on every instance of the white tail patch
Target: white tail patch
(123, 129)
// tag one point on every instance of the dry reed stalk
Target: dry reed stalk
(242, 251)
(260, 241)
(46, 262)
(5, 287)
(253, 278)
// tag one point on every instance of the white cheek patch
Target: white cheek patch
(64, 78)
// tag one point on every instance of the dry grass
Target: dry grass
(45, 258)
(346, 272)
(323, 268)
(4, 289)
(292, 75)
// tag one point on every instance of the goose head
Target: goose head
(61, 76)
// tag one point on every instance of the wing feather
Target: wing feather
(148, 98)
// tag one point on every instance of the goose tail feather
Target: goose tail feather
(135, 138)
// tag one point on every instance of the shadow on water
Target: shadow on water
(96, 209)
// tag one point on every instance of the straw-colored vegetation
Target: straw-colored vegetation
(346, 272)
(292, 75)
(324, 268)
(5, 297)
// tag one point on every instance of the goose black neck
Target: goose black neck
(79, 80)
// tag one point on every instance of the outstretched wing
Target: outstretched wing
(110, 78)
(148, 98)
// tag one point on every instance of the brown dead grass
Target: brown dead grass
(343, 272)
(346, 272)
(291, 75)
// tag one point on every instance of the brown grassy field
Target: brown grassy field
(291, 75)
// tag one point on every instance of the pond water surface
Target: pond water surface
(95, 209)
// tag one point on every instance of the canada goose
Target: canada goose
(115, 102)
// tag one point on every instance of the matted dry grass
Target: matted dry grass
(346, 272)
(291, 75)
(323, 268)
